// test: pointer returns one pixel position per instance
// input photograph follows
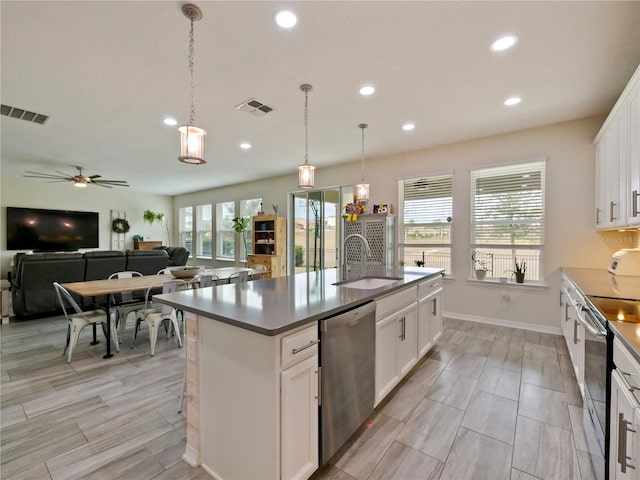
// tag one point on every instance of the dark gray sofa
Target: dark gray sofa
(178, 256)
(32, 291)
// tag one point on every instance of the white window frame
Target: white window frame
(185, 228)
(224, 228)
(409, 192)
(504, 180)
(204, 226)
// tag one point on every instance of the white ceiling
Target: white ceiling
(108, 72)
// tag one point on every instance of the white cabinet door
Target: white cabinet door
(435, 317)
(633, 193)
(602, 182)
(299, 420)
(622, 438)
(408, 341)
(424, 331)
(387, 333)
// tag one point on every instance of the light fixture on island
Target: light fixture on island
(362, 189)
(306, 172)
(191, 136)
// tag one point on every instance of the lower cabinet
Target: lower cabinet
(571, 302)
(624, 445)
(429, 314)
(258, 417)
(275, 264)
(396, 340)
(299, 419)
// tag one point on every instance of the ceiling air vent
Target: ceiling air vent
(22, 114)
(254, 107)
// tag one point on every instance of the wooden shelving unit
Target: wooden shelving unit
(269, 244)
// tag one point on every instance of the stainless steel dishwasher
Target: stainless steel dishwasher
(347, 351)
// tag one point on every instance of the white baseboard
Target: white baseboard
(191, 456)
(503, 323)
(211, 472)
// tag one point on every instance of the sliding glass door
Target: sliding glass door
(315, 228)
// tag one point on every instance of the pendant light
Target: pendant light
(362, 189)
(191, 136)
(306, 172)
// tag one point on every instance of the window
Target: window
(507, 218)
(426, 211)
(203, 228)
(225, 240)
(249, 208)
(185, 228)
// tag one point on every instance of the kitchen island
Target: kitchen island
(252, 366)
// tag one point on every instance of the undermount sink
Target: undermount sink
(368, 283)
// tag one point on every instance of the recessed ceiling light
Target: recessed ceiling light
(503, 43)
(512, 101)
(245, 145)
(170, 121)
(407, 127)
(367, 90)
(286, 18)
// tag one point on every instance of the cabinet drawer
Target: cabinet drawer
(430, 286)
(300, 345)
(392, 303)
(625, 362)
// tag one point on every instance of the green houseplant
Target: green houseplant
(240, 225)
(150, 216)
(480, 265)
(520, 268)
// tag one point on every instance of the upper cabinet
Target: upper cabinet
(618, 162)
(269, 245)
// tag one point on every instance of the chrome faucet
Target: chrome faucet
(345, 271)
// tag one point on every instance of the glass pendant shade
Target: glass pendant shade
(192, 144)
(362, 191)
(306, 176)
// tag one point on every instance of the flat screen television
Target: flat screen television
(51, 230)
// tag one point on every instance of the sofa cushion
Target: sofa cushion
(178, 256)
(101, 264)
(147, 262)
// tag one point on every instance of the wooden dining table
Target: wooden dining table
(110, 287)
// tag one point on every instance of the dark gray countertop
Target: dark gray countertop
(624, 289)
(598, 282)
(276, 305)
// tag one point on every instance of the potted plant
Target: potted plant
(480, 265)
(520, 268)
(240, 225)
(150, 216)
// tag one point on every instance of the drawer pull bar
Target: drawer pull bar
(310, 344)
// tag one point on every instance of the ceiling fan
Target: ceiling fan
(78, 180)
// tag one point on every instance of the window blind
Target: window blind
(426, 211)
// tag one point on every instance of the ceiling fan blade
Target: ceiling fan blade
(112, 182)
(105, 186)
(94, 176)
(46, 175)
(65, 174)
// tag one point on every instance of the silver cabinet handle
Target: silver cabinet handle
(434, 284)
(628, 386)
(623, 428)
(435, 307)
(634, 203)
(598, 216)
(402, 336)
(319, 372)
(611, 207)
(575, 332)
(310, 344)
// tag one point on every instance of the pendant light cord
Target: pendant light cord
(362, 127)
(306, 126)
(192, 113)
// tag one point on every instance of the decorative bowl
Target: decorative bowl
(185, 272)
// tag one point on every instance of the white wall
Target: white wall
(570, 236)
(23, 192)
(571, 239)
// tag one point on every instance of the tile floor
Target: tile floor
(486, 403)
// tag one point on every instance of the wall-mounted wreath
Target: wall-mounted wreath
(120, 225)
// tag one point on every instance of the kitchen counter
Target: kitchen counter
(622, 289)
(273, 306)
(598, 282)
